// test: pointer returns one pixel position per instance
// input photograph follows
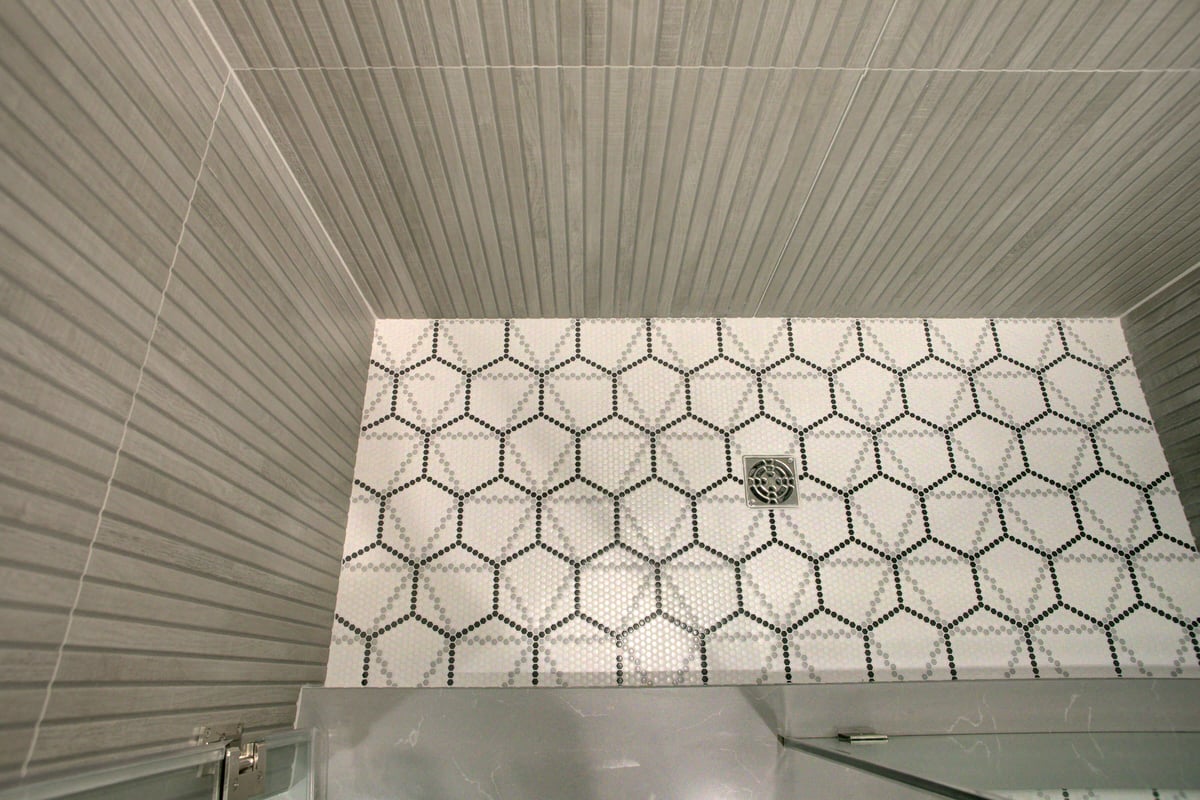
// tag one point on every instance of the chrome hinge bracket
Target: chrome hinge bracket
(243, 771)
(861, 736)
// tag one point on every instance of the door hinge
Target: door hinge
(860, 736)
(243, 771)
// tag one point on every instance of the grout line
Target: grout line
(1160, 290)
(162, 301)
(821, 167)
(286, 165)
(674, 67)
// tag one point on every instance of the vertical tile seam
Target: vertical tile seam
(124, 432)
(825, 158)
(233, 76)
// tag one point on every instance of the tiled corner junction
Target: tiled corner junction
(560, 502)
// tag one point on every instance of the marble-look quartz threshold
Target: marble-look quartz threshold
(690, 741)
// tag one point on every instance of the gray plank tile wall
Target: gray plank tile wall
(1164, 339)
(229, 456)
(687, 157)
(407, 33)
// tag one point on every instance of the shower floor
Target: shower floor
(559, 502)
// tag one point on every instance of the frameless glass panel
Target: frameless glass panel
(191, 775)
(289, 766)
(1104, 766)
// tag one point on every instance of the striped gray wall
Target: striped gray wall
(183, 356)
(1164, 339)
(541, 158)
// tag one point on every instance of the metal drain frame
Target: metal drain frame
(781, 468)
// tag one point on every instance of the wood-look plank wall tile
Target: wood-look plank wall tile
(217, 561)
(1164, 339)
(105, 113)
(405, 33)
(590, 192)
(1041, 34)
(986, 193)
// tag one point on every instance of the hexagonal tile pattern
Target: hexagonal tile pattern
(1097, 580)
(744, 651)
(906, 648)
(1079, 391)
(685, 343)
(886, 515)
(965, 343)
(470, 344)
(914, 452)
(1010, 393)
(899, 343)
(1039, 514)
(727, 526)
(797, 394)
(1114, 511)
(420, 520)
(375, 589)
(839, 453)
(938, 394)
(463, 455)
(651, 394)
(430, 394)
(454, 591)
(867, 393)
(698, 589)
(579, 395)
(537, 589)
(578, 521)
(755, 343)
(579, 654)
(540, 343)
(762, 436)
(492, 655)
(989, 647)
(820, 522)
(723, 394)
(1015, 581)
(858, 585)
(539, 455)
(691, 456)
(503, 395)
(660, 653)
(937, 583)
(561, 503)
(825, 343)
(498, 520)
(613, 344)
(389, 455)
(963, 515)
(400, 343)
(779, 585)
(1059, 450)
(617, 590)
(614, 455)
(656, 520)
(986, 451)
(1033, 343)
(1130, 449)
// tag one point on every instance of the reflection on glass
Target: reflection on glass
(189, 775)
(1062, 766)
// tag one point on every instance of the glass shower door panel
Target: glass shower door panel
(1098, 766)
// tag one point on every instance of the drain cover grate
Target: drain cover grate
(770, 481)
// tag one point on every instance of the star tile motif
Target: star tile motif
(561, 503)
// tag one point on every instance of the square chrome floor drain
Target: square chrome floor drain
(770, 481)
